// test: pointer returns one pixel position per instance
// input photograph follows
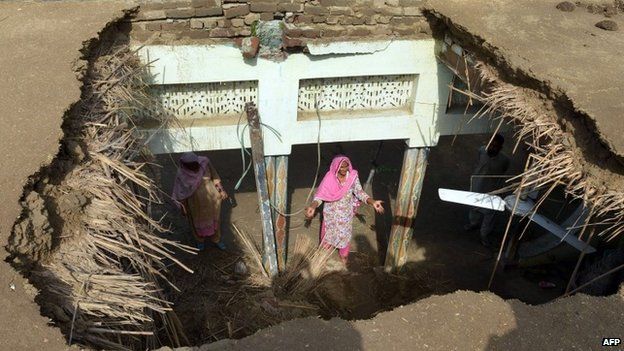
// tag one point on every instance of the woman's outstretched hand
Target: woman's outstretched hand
(309, 212)
(378, 206)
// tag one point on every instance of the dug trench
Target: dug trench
(227, 295)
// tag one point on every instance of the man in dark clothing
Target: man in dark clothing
(486, 178)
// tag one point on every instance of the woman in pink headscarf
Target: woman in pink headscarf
(342, 193)
(198, 193)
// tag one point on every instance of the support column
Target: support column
(408, 196)
(269, 259)
(277, 178)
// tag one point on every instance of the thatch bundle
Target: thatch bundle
(555, 159)
(106, 274)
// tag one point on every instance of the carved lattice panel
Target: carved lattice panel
(371, 93)
(206, 100)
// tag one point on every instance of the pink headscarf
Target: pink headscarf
(330, 189)
(187, 181)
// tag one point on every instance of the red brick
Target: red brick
(251, 18)
(333, 32)
(292, 32)
(406, 3)
(335, 2)
(208, 11)
(238, 22)
(346, 20)
(232, 10)
(406, 21)
(263, 7)
(315, 10)
(177, 25)
(358, 20)
(224, 23)
(287, 7)
(311, 33)
(196, 34)
(332, 20)
(205, 3)
(345, 11)
(222, 33)
(266, 16)
(151, 15)
(150, 5)
(153, 26)
(289, 42)
(181, 13)
(303, 19)
(175, 4)
(360, 31)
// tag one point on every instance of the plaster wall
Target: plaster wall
(278, 94)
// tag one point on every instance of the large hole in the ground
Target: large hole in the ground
(227, 296)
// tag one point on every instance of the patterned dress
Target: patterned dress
(338, 216)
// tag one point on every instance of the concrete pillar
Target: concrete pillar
(277, 179)
(408, 196)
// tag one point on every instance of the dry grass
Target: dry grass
(107, 276)
(554, 158)
(307, 265)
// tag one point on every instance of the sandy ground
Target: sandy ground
(535, 39)
(40, 47)
(459, 321)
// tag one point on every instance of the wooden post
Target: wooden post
(408, 196)
(257, 155)
(277, 176)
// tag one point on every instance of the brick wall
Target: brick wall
(304, 19)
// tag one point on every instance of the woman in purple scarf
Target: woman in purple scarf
(198, 193)
(342, 193)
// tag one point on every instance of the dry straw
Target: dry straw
(108, 275)
(554, 159)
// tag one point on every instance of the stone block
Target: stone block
(243, 32)
(288, 42)
(391, 11)
(370, 20)
(150, 5)
(393, 3)
(181, 13)
(332, 32)
(315, 10)
(235, 10)
(318, 19)
(263, 7)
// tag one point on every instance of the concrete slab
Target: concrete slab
(564, 50)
